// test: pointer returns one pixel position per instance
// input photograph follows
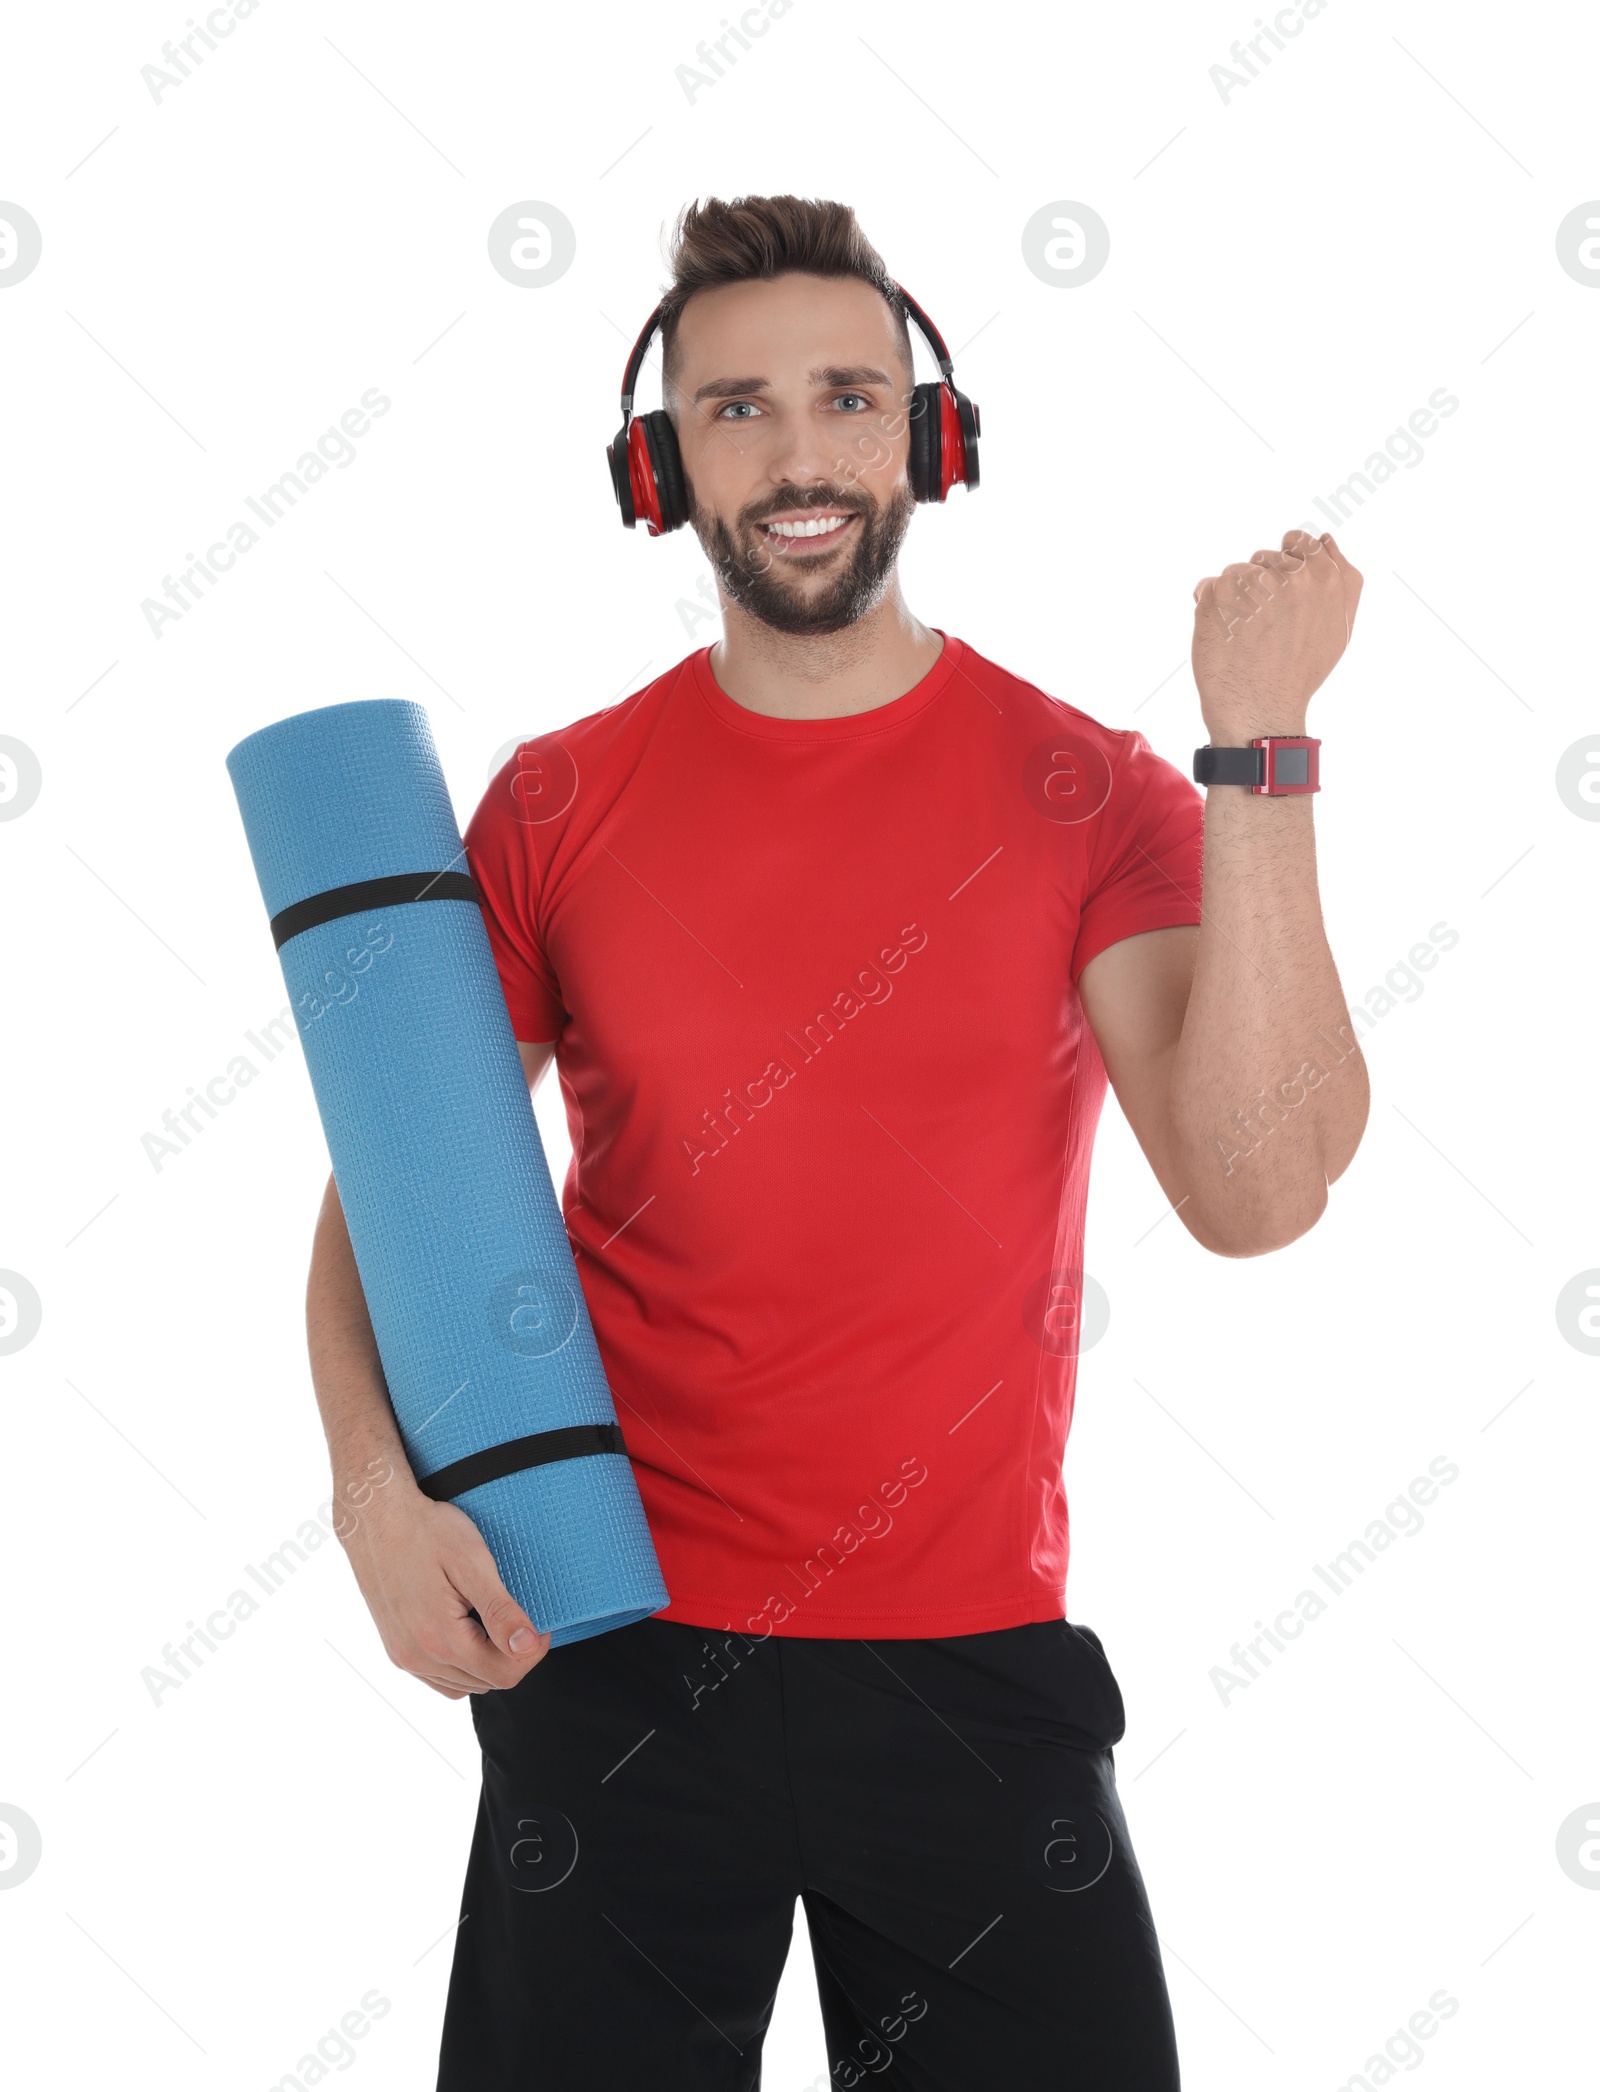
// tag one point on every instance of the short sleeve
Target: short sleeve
(502, 861)
(1144, 865)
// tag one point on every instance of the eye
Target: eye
(736, 409)
(857, 402)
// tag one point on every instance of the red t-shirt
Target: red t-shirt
(813, 984)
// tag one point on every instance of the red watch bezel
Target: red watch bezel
(1269, 744)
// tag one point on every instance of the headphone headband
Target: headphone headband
(630, 377)
(914, 312)
(929, 332)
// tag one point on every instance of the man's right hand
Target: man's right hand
(424, 1568)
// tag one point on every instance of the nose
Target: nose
(806, 453)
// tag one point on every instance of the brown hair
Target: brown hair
(714, 243)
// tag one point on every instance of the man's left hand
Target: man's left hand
(1266, 634)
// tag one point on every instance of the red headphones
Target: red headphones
(647, 469)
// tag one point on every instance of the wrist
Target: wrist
(1271, 764)
(1239, 726)
(367, 1492)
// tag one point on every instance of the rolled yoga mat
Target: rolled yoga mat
(482, 1327)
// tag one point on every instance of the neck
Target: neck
(825, 675)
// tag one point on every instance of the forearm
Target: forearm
(1269, 1091)
(346, 1373)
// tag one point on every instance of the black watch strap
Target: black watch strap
(1230, 766)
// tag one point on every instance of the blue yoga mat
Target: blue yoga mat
(481, 1324)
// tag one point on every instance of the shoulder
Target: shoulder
(1076, 770)
(614, 726)
(557, 785)
(1031, 709)
(546, 774)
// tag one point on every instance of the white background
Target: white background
(1292, 272)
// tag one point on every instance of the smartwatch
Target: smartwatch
(1274, 764)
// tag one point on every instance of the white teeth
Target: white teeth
(816, 527)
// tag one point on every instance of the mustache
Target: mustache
(806, 497)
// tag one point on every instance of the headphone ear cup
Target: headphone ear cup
(643, 504)
(661, 440)
(922, 467)
(621, 481)
(970, 426)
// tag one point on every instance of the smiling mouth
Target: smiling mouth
(807, 535)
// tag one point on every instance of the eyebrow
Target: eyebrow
(829, 374)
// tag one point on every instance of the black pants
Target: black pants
(656, 1798)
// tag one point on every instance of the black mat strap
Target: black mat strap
(371, 893)
(569, 1442)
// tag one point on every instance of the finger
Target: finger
(1344, 570)
(453, 1674)
(463, 1653)
(1325, 571)
(1335, 562)
(1328, 564)
(432, 1660)
(1350, 584)
(501, 1621)
(442, 1686)
(1242, 589)
(1223, 601)
(1282, 566)
(1242, 575)
(1209, 582)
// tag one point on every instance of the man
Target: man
(836, 932)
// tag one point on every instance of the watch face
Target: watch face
(1293, 766)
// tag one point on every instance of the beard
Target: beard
(804, 604)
